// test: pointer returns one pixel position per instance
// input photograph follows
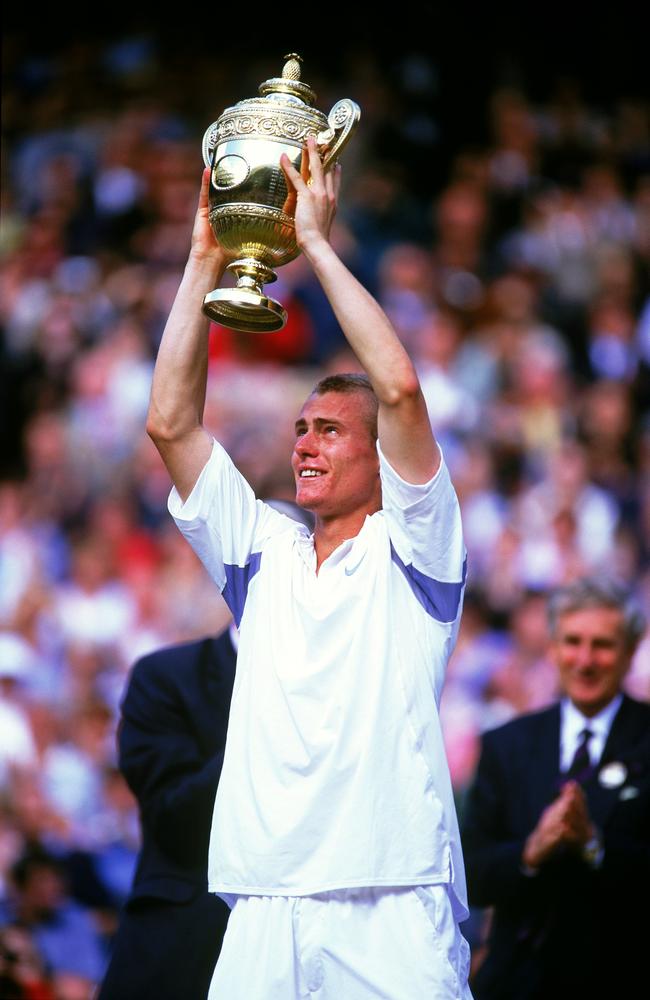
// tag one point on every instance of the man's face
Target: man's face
(334, 459)
(591, 656)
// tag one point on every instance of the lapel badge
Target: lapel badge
(628, 793)
(612, 775)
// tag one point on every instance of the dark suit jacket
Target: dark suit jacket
(171, 741)
(571, 930)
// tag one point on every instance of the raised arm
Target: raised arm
(404, 429)
(174, 421)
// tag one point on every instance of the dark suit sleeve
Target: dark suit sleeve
(491, 846)
(163, 761)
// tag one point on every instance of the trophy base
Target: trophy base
(244, 309)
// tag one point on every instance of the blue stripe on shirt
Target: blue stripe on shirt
(440, 600)
(238, 578)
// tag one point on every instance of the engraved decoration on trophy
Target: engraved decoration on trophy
(248, 189)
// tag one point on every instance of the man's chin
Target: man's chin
(306, 496)
(306, 503)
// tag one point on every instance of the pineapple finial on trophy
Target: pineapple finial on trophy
(291, 68)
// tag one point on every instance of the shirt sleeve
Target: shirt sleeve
(425, 530)
(226, 526)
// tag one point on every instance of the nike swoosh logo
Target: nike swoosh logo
(350, 569)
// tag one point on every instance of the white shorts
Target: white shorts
(353, 944)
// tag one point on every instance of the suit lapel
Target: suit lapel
(544, 763)
(622, 739)
(624, 732)
(219, 662)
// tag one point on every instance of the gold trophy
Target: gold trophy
(248, 189)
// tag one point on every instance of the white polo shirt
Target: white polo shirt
(335, 773)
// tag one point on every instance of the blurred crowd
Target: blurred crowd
(516, 271)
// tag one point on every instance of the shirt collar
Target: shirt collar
(573, 721)
(350, 552)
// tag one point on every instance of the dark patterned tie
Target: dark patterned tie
(581, 763)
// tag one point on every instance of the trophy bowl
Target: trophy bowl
(248, 189)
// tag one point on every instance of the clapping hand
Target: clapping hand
(564, 823)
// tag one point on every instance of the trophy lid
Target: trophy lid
(289, 82)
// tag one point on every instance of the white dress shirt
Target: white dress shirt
(572, 725)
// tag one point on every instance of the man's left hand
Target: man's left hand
(313, 195)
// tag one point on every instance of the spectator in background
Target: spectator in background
(22, 971)
(556, 830)
(17, 749)
(171, 740)
(63, 931)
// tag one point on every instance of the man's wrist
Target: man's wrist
(210, 266)
(593, 851)
(317, 249)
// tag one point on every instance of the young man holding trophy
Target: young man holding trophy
(334, 836)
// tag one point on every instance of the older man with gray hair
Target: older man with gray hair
(557, 826)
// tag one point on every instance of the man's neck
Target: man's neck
(329, 533)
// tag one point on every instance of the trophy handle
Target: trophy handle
(342, 121)
(209, 143)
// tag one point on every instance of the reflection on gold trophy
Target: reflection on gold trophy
(248, 190)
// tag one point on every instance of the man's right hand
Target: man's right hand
(175, 418)
(204, 247)
(312, 196)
